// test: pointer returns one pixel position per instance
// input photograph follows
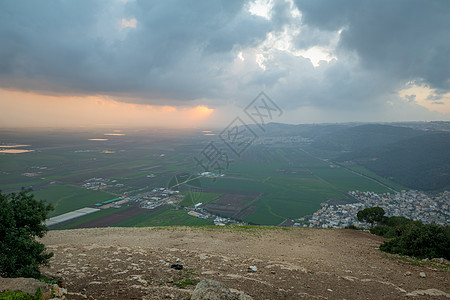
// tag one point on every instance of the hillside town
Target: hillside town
(412, 204)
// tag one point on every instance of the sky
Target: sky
(199, 64)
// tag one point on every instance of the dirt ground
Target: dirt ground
(293, 263)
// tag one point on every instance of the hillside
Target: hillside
(421, 162)
(364, 137)
(134, 263)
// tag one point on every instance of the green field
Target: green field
(69, 198)
(287, 195)
(192, 198)
(163, 217)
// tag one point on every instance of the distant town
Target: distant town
(412, 204)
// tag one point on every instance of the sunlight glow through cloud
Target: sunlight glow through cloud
(261, 8)
(67, 111)
(426, 97)
(130, 23)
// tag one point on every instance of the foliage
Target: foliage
(413, 238)
(421, 241)
(184, 278)
(17, 295)
(390, 227)
(371, 215)
(21, 220)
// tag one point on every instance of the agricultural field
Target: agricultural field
(191, 198)
(265, 185)
(164, 217)
(69, 198)
(292, 184)
(104, 213)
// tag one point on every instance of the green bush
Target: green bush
(17, 295)
(383, 230)
(21, 220)
(391, 226)
(421, 241)
(395, 221)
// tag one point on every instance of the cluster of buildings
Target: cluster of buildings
(210, 174)
(277, 140)
(158, 197)
(199, 212)
(221, 221)
(412, 204)
(98, 183)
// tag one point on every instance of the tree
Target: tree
(21, 221)
(421, 241)
(371, 215)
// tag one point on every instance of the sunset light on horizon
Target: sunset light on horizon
(30, 109)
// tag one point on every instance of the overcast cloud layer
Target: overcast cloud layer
(221, 52)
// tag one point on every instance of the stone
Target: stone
(408, 273)
(177, 267)
(422, 274)
(212, 290)
(54, 277)
(252, 269)
(59, 291)
(429, 292)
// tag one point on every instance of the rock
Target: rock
(252, 269)
(177, 267)
(429, 292)
(59, 291)
(422, 274)
(212, 290)
(54, 277)
(408, 273)
(439, 260)
(26, 285)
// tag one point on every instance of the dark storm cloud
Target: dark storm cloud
(404, 39)
(79, 47)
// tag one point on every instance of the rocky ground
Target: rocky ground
(135, 263)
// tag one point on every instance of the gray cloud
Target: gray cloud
(78, 47)
(181, 51)
(405, 40)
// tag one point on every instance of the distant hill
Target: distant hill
(421, 162)
(363, 136)
(415, 155)
(304, 130)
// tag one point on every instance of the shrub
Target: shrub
(21, 220)
(421, 241)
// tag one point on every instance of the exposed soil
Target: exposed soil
(114, 218)
(134, 263)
